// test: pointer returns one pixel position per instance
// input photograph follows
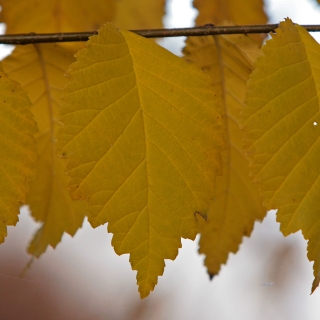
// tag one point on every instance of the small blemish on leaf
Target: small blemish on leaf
(315, 123)
(203, 215)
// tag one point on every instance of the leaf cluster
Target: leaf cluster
(157, 146)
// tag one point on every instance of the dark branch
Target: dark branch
(152, 33)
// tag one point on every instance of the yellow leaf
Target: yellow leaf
(40, 69)
(282, 122)
(18, 151)
(23, 16)
(142, 14)
(229, 61)
(143, 134)
(239, 12)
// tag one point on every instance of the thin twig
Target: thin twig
(151, 33)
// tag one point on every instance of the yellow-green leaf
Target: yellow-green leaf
(23, 16)
(142, 14)
(40, 70)
(18, 151)
(282, 122)
(143, 134)
(229, 61)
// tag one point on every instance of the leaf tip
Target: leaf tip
(211, 275)
(144, 293)
(315, 284)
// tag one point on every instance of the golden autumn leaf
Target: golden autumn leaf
(229, 61)
(18, 151)
(282, 124)
(143, 133)
(239, 12)
(40, 70)
(142, 14)
(24, 16)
